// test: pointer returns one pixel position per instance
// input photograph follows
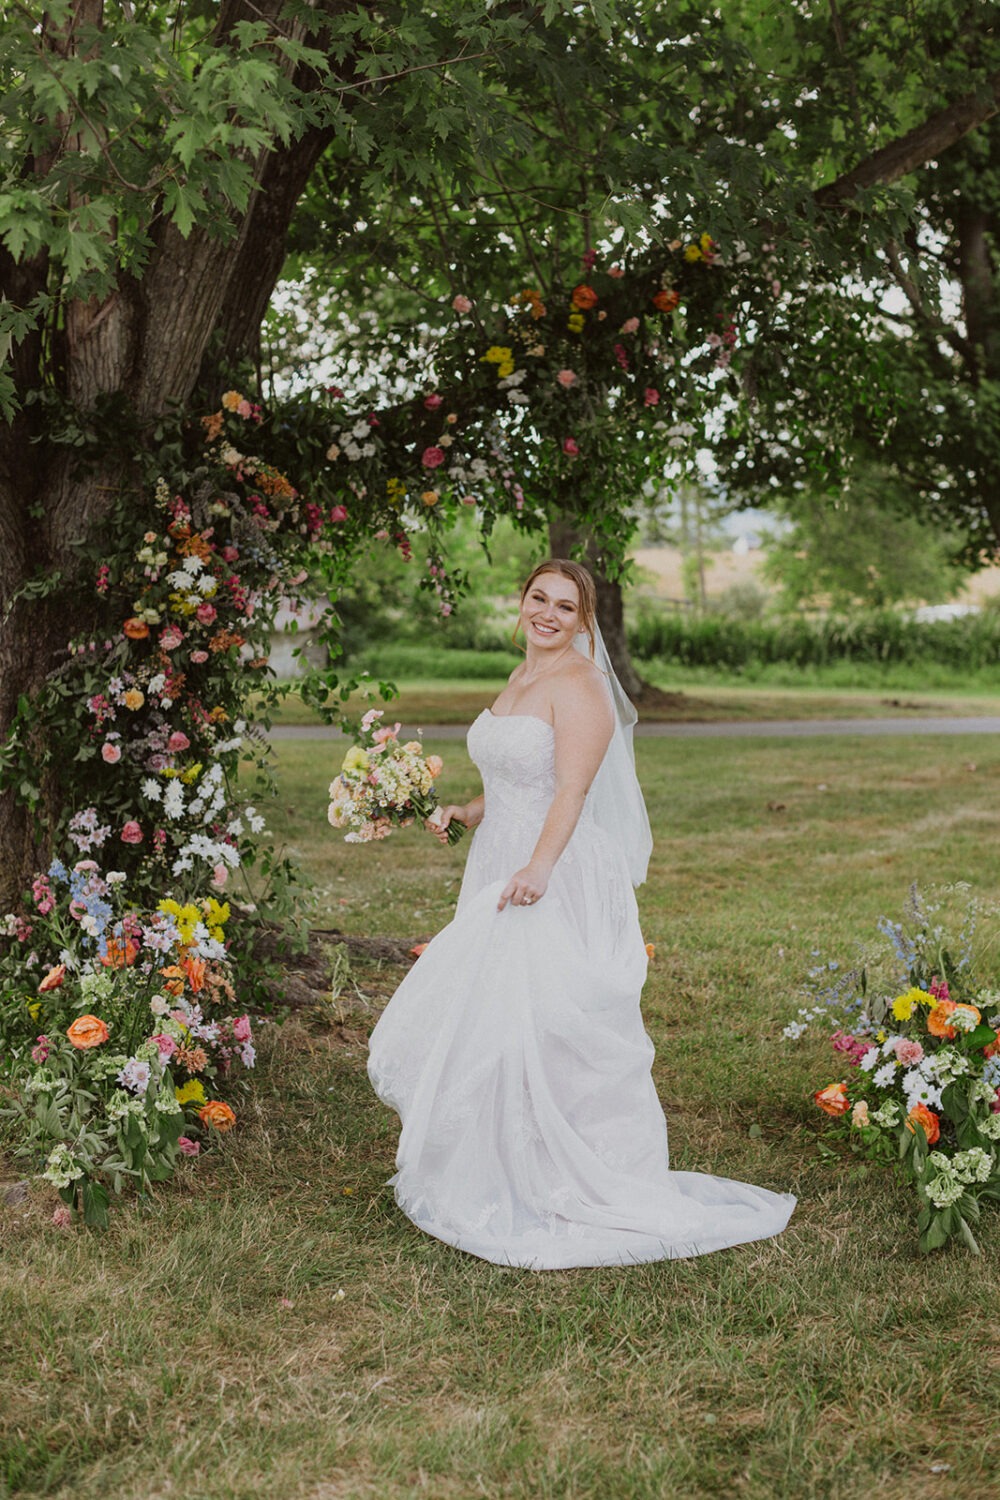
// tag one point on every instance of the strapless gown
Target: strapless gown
(515, 1056)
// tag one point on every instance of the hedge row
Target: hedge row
(884, 636)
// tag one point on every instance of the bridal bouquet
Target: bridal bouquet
(383, 784)
(917, 1034)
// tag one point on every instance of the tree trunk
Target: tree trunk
(563, 536)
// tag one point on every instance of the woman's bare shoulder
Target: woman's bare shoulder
(581, 687)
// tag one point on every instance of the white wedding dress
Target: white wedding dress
(515, 1055)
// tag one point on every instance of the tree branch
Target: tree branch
(916, 147)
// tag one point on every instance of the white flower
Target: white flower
(974, 1165)
(990, 1127)
(116, 877)
(151, 789)
(159, 1005)
(869, 1060)
(135, 1075)
(794, 1030)
(62, 1168)
(885, 1075)
(157, 683)
(944, 1190)
(192, 564)
(360, 430)
(173, 799)
(257, 824)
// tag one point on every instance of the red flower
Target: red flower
(131, 833)
(433, 458)
(584, 298)
(666, 301)
(338, 513)
(570, 447)
(652, 396)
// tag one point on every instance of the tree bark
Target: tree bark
(564, 535)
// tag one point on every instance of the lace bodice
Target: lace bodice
(515, 754)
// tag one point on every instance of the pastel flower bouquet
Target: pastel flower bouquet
(384, 784)
(917, 1034)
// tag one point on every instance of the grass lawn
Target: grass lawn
(703, 697)
(202, 1344)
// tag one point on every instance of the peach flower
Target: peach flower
(111, 753)
(435, 765)
(136, 629)
(921, 1115)
(86, 1032)
(53, 979)
(217, 1114)
(833, 1099)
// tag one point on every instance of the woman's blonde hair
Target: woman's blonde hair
(586, 589)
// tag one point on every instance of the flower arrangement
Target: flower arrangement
(117, 1028)
(384, 784)
(917, 1032)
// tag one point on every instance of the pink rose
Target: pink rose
(111, 753)
(206, 613)
(166, 1045)
(230, 554)
(220, 876)
(382, 535)
(198, 657)
(652, 396)
(433, 457)
(62, 1217)
(630, 325)
(244, 409)
(178, 741)
(132, 833)
(171, 638)
(433, 401)
(338, 513)
(241, 1029)
(566, 378)
(461, 304)
(909, 1053)
(188, 1147)
(570, 447)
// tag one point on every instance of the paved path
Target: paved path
(736, 729)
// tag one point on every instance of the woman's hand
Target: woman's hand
(437, 824)
(526, 887)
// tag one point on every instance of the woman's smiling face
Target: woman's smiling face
(550, 611)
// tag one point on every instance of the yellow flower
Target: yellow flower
(706, 243)
(192, 773)
(693, 252)
(231, 400)
(507, 368)
(904, 1005)
(356, 759)
(498, 354)
(133, 699)
(575, 322)
(193, 1092)
(34, 1009)
(186, 918)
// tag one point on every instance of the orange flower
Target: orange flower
(133, 699)
(175, 979)
(217, 1114)
(666, 301)
(992, 1049)
(921, 1115)
(53, 979)
(87, 1031)
(196, 546)
(937, 1019)
(417, 949)
(194, 968)
(650, 950)
(212, 425)
(584, 297)
(120, 955)
(136, 629)
(833, 1099)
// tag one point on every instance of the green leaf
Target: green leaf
(95, 1205)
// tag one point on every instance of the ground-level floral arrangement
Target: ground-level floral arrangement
(915, 1025)
(118, 1030)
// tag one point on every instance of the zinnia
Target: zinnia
(217, 1114)
(86, 1032)
(833, 1099)
(921, 1115)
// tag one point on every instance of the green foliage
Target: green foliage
(862, 545)
(968, 643)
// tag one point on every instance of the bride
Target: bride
(514, 1050)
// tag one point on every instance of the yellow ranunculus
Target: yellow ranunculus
(193, 1092)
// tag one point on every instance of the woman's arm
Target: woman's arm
(583, 720)
(471, 815)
